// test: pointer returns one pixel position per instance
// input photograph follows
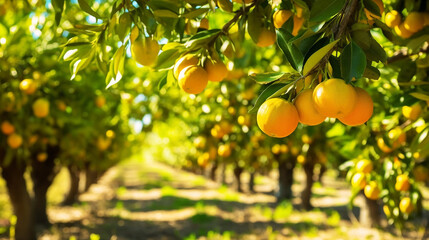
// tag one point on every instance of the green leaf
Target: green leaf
(166, 59)
(164, 13)
(254, 24)
(362, 38)
(336, 66)
(375, 52)
(58, 6)
(268, 92)
(162, 82)
(86, 8)
(421, 96)
(291, 51)
(116, 67)
(371, 6)
(323, 10)
(197, 2)
(316, 45)
(202, 37)
(371, 72)
(317, 57)
(407, 72)
(195, 13)
(264, 78)
(225, 5)
(353, 62)
(416, 43)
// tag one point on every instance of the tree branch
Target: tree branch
(238, 14)
(403, 53)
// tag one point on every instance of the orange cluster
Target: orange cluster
(281, 16)
(193, 78)
(332, 98)
(413, 23)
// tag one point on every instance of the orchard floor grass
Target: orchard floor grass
(149, 200)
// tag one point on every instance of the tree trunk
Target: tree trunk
(237, 173)
(213, 171)
(370, 213)
(322, 172)
(309, 180)
(223, 174)
(13, 174)
(73, 194)
(285, 179)
(42, 175)
(252, 182)
(91, 177)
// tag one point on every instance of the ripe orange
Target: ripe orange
(14, 140)
(200, 142)
(412, 112)
(204, 23)
(145, 51)
(406, 206)
(402, 183)
(193, 79)
(358, 180)
(41, 157)
(371, 16)
(7, 128)
(372, 191)
(280, 17)
(277, 117)
(266, 38)
(362, 110)
(183, 62)
(28, 86)
(216, 70)
(414, 22)
(41, 108)
(402, 31)
(364, 166)
(203, 160)
(334, 98)
(217, 132)
(307, 112)
(224, 150)
(297, 24)
(392, 18)
(100, 101)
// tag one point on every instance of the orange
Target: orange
(398, 135)
(100, 101)
(297, 24)
(372, 191)
(362, 110)
(277, 117)
(14, 140)
(280, 17)
(386, 210)
(193, 79)
(266, 38)
(244, 120)
(307, 112)
(41, 108)
(358, 180)
(61, 105)
(204, 24)
(145, 51)
(402, 31)
(103, 143)
(183, 62)
(28, 86)
(364, 166)
(224, 150)
(7, 128)
(203, 160)
(371, 16)
(217, 132)
(412, 112)
(414, 22)
(392, 18)
(216, 70)
(402, 183)
(212, 153)
(334, 98)
(41, 157)
(200, 142)
(426, 18)
(406, 206)
(284, 148)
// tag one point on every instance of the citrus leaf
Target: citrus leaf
(264, 78)
(353, 62)
(323, 10)
(291, 51)
(420, 96)
(371, 72)
(164, 13)
(166, 59)
(268, 92)
(86, 8)
(371, 6)
(58, 6)
(314, 59)
(195, 13)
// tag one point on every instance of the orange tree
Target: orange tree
(47, 121)
(329, 50)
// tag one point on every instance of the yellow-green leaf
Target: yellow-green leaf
(314, 59)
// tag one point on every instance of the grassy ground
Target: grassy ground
(150, 200)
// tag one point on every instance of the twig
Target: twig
(238, 14)
(403, 53)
